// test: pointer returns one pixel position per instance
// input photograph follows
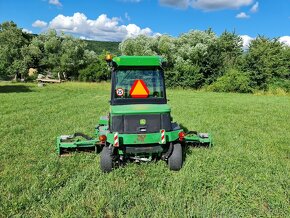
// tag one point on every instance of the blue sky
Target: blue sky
(114, 20)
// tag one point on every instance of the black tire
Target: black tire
(175, 160)
(106, 162)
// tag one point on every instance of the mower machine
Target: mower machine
(139, 126)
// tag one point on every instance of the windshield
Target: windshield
(136, 84)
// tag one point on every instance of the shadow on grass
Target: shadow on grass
(14, 89)
(183, 127)
(71, 151)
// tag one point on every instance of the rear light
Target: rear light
(103, 138)
(181, 136)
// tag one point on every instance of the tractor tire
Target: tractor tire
(175, 160)
(106, 162)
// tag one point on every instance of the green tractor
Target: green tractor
(139, 126)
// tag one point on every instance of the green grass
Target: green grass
(246, 173)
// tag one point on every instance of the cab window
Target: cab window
(139, 84)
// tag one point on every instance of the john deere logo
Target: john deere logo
(142, 122)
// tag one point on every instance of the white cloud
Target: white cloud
(39, 24)
(55, 2)
(207, 4)
(242, 15)
(84, 38)
(176, 3)
(220, 4)
(26, 31)
(285, 40)
(246, 41)
(133, 30)
(255, 7)
(157, 34)
(102, 28)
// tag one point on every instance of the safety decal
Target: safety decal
(139, 89)
(120, 92)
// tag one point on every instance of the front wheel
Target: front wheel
(175, 160)
(106, 162)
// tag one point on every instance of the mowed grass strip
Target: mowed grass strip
(246, 173)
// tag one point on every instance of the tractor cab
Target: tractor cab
(138, 96)
(141, 83)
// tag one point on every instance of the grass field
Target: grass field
(246, 173)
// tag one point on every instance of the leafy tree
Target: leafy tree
(72, 55)
(286, 61)
(141, 45)
(194, 59)
(194, 55)
(52, 53)
(200, 58)
(96, 71)
(33, 53)
(12, 39)
(166, 48)
(52, 45)
(230, 48)
(266, 60)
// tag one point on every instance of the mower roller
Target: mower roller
(139, 126)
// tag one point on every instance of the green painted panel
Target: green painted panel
(150, 138)
(138, 61)
(196, 138)
(140, 109)
(103, 121)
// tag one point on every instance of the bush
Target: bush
(266, 59)
(280, 83)
(232, 81)
(95, 72)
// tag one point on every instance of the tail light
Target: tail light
(103, 138)
(181, 136)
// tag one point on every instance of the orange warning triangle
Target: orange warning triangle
(139, 89)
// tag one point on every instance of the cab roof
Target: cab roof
(142, 61)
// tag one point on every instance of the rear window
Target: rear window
(139, 84)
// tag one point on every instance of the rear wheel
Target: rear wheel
(175, 160)
(106, 162)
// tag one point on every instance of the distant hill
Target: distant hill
(99, 47)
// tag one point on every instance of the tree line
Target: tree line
(48, 53)
(197, 59)
(201, 59)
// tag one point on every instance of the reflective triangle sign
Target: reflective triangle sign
(139, 89)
